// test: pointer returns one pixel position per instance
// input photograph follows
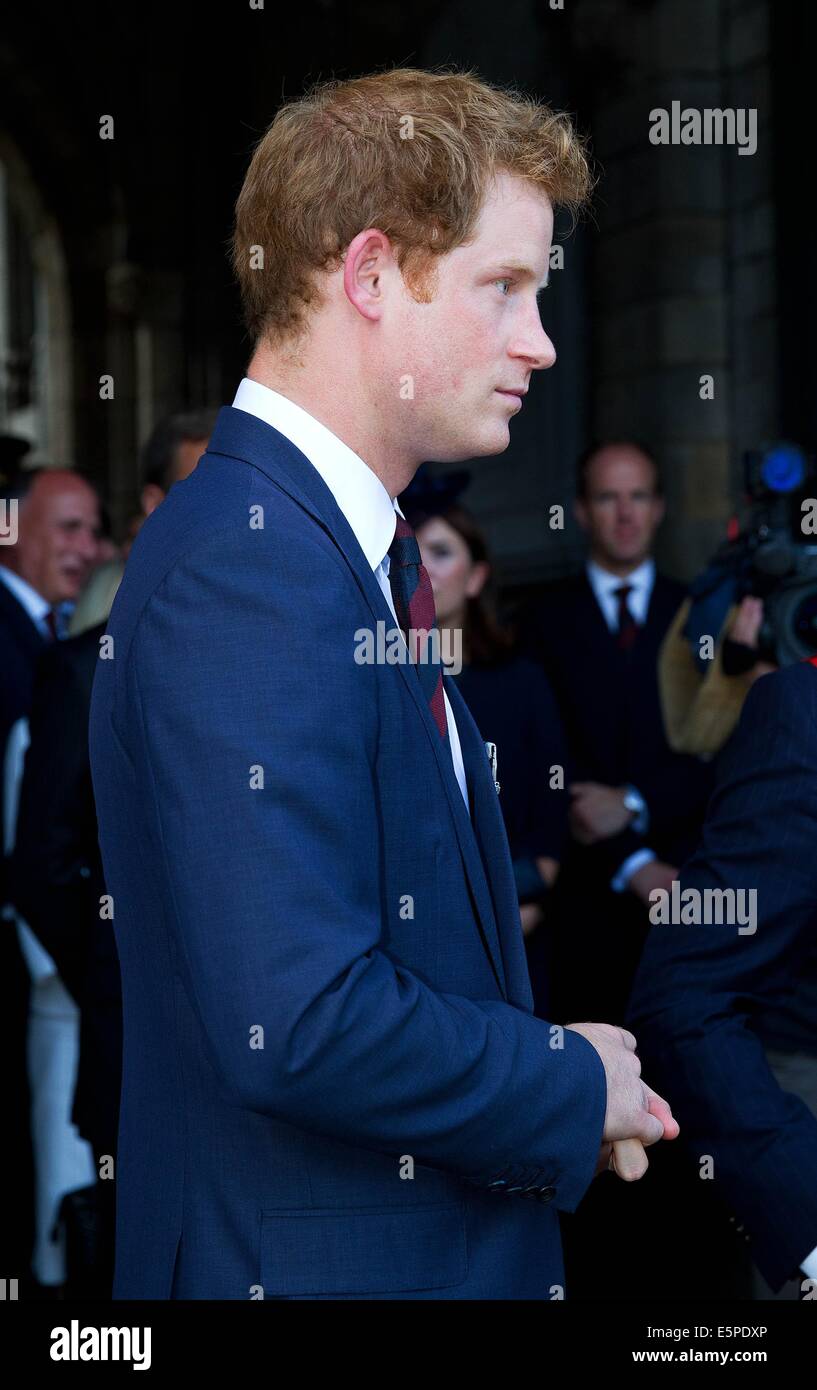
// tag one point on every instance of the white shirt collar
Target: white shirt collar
(358, 491)
(603, 582)
(33, 602)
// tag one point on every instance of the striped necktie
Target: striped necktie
(414, 606)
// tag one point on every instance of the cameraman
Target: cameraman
(739, 655)
(727, 1020)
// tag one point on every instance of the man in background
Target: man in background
(56, 874)
(636, 808)
(170, 454)
(50, 546)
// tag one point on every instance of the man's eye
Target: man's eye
(503, 282)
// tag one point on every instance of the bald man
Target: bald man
(49, 526)
(47, 550)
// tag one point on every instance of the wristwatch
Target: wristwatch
(634, 801)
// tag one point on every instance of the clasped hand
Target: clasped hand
(636, 1116)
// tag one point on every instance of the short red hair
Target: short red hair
(406, 151)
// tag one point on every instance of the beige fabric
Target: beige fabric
(700, 712)
(95, 602)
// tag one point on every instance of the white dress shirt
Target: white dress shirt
(35, 605)
(41, 966)
(604, 585)
(358, 491)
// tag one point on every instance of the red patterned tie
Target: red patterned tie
(414, 606)
(51, 622)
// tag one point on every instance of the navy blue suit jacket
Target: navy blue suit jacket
(611, 709)
(56, 874)
(22, 645)
(324, 977)
(707, 1000)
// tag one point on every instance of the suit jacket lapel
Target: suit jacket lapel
(243, 436)
(24, 627)
(595, 613)
(489, 831)
(662, 607)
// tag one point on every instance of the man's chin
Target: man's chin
(624, 556)
(495, 440)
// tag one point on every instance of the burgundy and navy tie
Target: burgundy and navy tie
(414, 606)
(627, 626)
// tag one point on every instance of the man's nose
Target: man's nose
(88, 545)
(547, 353)
(536, 346)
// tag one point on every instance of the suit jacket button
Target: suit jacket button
(546, 1194)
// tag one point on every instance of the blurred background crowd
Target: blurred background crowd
(575, 564)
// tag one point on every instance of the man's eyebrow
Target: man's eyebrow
(519, 269)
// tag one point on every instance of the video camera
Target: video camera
(774, 557)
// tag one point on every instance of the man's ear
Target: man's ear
(367, 256)
(660, 509)
(152, 495)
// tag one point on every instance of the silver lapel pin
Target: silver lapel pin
(490, 749)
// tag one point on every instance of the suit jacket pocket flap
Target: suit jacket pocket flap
(384, 1250)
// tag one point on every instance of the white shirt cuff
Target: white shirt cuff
(641, 820)
(629, 867)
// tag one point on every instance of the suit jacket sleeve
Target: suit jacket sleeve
(699, 988)
(676, 795)
(676, 787)
(55, 867)
(676, 799)
(277, 897)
